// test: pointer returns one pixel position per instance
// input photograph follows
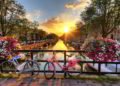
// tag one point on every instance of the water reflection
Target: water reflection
(60, 46)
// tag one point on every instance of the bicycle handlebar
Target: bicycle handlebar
(16, 57)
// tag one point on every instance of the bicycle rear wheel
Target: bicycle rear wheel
(49, 70)
(31, 67)
(8, 67)
(75, 71)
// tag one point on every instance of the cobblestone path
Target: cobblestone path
(53, 82)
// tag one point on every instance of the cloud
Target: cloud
(78, 5)
(56, 25)
(84, 0)
(29, 16)
(77, 8)
(52, 23)
(35, 15)
(73, 16)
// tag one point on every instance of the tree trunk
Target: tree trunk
(2, 27)
(104, 35)
(2, 20)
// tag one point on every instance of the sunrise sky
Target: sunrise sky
(54, 15)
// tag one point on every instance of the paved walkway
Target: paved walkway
(54, 82)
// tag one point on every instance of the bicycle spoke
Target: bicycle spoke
(30, 67)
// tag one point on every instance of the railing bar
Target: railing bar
(65, 63)
(116, 67)
(80, 61)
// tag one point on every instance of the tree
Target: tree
(10, 13)
(52, 36)
(42, 33)
(103, 15)
(39, 33)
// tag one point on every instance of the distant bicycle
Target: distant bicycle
(14, 64)
(74, 66)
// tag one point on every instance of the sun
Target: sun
(66, 29)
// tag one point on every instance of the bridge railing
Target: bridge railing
(99, 71)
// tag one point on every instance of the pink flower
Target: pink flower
(110, 40)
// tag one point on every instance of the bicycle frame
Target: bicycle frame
(70, 68)
(71, 63)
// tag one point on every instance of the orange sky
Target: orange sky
(55, 20)
(57, 25)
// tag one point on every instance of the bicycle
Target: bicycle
(11, 60)
(72, 68)
(14, 64)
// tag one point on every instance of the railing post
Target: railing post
(99, 68)
(1, 68)
(93, 62)
(31, 55)
(116, 68)
(82, 67)
(32, 59)
(65, 64)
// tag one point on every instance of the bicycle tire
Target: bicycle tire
(8, 67)
(31, 67)
(46, 70)
(75, 69)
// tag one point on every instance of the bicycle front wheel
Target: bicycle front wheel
(31, 67)
(75, 71)
(49, 70)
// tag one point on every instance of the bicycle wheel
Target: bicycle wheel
(8, 67)
(31, 66)
(49, 70)
(75, 71)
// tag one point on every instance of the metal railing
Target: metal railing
(98, 71)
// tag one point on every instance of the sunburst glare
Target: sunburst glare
(66, 29)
